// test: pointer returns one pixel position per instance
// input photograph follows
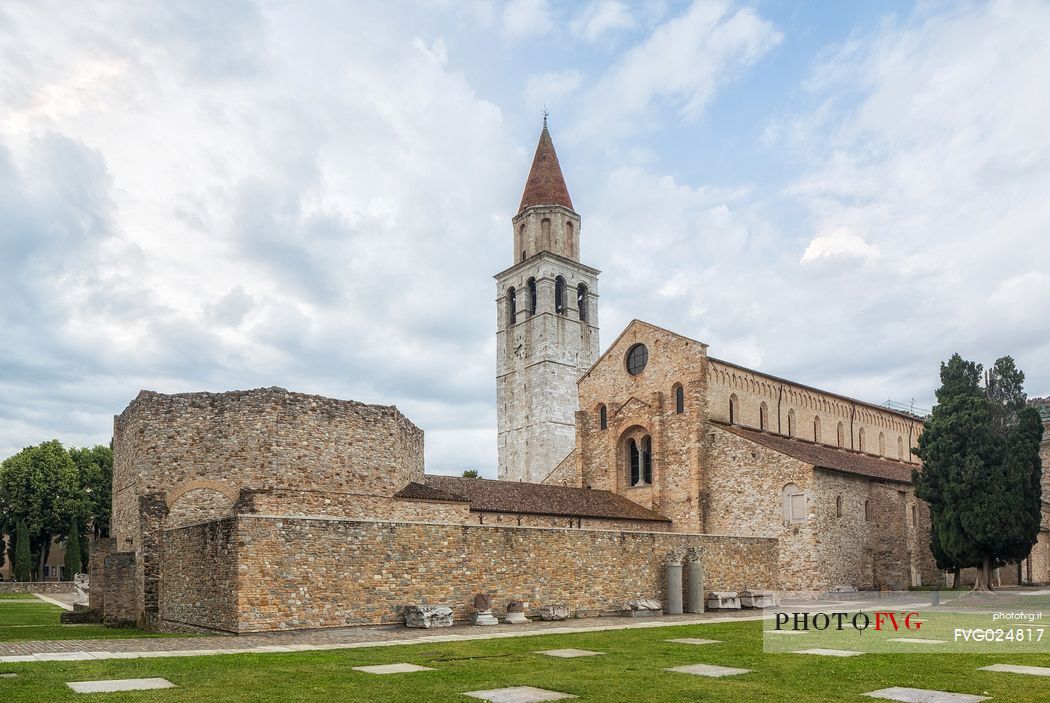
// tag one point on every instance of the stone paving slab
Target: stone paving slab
(518, 694)
(829, 652)
(569, 653)
(915, 640)
(8, 676)
(708, 670)
(1018, 669)
(693, 640)
(115, 685)
(922, 695)
(401, 668)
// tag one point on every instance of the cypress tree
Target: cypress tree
(23, 562)
(72, 562)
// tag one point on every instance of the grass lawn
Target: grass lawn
(631, 670)
(37, 620)
(19, 596)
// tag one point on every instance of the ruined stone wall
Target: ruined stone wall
(120, 595)
(199, 575)
(809, 413)
(522, 520)
(305, 573)
(349, 505)
(36, 587)
(640, 405)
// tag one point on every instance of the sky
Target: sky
(315, 195)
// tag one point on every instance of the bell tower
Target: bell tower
(547, 325)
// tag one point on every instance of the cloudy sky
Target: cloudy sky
(227, 195)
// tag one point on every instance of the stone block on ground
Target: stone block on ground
(115, 685)
(708, 670)
(400, 668)
(516, 612)
(428, 616)
(643, 607)
(554, 612)
(922, 695)
(723, 600)
(518, 694)
(757, 598)
(1018, 669)
(569, 653)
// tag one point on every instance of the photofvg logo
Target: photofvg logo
(879, 621)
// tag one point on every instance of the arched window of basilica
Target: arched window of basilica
(603, 417)
(512, 311)
(791, 423)
(532, 296)
(794, 503)
(763, 416)
(581, 299)
(559, 295)
(838, 506)
(840, 435)
(816, 428)
(734, 409)
(640, 461)
(679, 399)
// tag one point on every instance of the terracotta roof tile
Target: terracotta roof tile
(545, 185)
(419, 491)
(486, 495)
(825, 457)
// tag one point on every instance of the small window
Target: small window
(867, 511)
(637, 358)
(914, 516)
(733, 410)
(603, 417)
(523, 255)
(816, 428)
(512, 312)
(882, 444)
(679, 399)
(559, 295)
(860, 439)
(838, 506)
(545, 233)
(581, 298)
(635, 460)
(791, 423)
(840, 435)
(763, 416)
(532, 296)
(794, 503)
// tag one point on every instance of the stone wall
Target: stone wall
(199, 575)
(305, 573)
(36, 587)
(350, 505)
(567, 473)
(120, 593)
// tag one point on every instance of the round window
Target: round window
(637, 357)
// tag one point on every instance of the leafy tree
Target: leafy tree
(23, 561)
(72, 562)
(981, 468)
(40, 487)
(95, 472)
(470, 473)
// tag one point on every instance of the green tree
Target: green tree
(95, 473)
(470, 473)
(40, 487)
(72, 562)
(981, 469)
(23, 561)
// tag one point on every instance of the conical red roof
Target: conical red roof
(546, 185)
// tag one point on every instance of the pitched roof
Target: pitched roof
(822, 456)
(545, 184)
(488, 496)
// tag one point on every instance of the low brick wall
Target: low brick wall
(296, 573)
(36, 587)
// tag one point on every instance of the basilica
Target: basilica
(266, 509)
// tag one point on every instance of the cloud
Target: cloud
(839, 244)
(600, 17)
(551, 89)
(680, 64)
(524, 18)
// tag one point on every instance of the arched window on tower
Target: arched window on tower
(545, 234)
(882, 444)
(679, 399)
(791, 423)
(522, 254)
(532, 296)
(581, 299)
(838, 506)
(568, 234)
(763, 416)
(840, 435)
(603, 417)
(734, 409)
(816, 428)
(512, 311)
(559, 295)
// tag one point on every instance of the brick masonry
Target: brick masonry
(302, 573)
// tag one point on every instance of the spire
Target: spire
(545, 185)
